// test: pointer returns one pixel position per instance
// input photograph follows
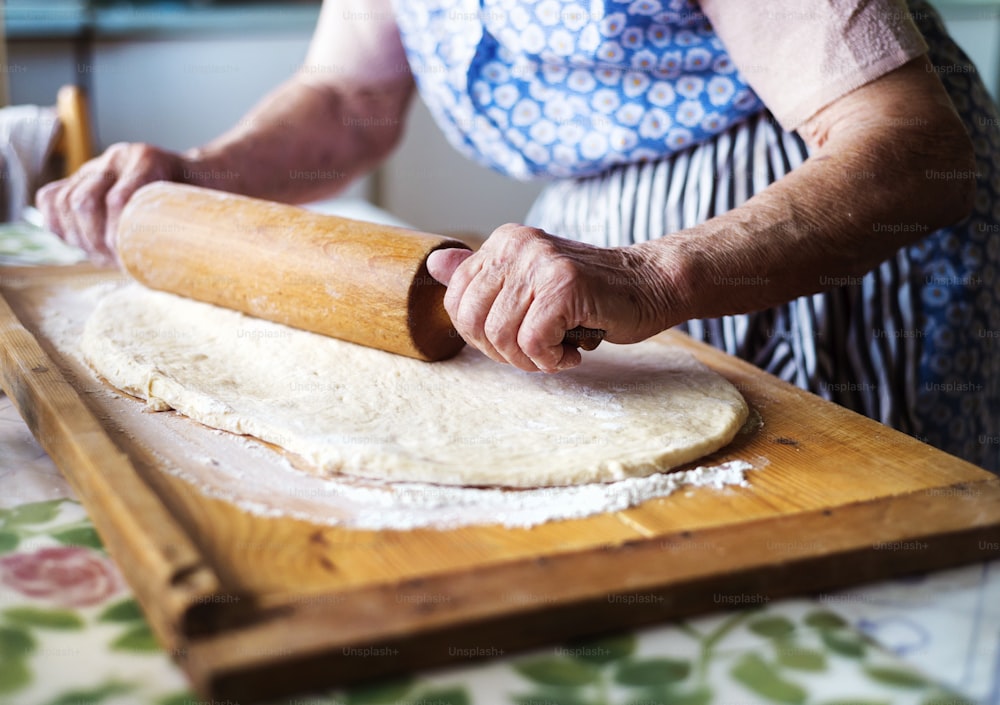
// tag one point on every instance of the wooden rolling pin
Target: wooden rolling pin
(347, 279)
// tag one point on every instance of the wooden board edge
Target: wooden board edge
(922, 533)
(742, 373)
(155, 554)
(508, 636)
(201, 613)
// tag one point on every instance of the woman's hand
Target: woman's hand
(340, 115)
(84, 208)
(517, 296)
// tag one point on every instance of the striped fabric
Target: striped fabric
(914, 344)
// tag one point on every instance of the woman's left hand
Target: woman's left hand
(515, 298)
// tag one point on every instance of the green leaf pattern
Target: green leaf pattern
(783, 656)
(38, 618)
(764, 679)
(28, 514)
(14, 675)
(754, 656)
(44, 520)
(125, 611)
(653, 671)
(137, 638)
(79, 536)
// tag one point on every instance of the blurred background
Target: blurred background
(178, 73)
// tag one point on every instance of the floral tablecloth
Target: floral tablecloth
(71, 634)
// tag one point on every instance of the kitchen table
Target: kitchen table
(71, 633)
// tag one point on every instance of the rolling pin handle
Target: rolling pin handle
(584, 338)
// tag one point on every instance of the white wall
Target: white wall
(429, 184)
(181, 92)
(38, 69)
(176, 92)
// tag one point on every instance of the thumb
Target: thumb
(441, 264)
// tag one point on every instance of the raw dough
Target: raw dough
(626, 411)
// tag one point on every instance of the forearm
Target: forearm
(337, 118)
(864, 193)
(306, 140)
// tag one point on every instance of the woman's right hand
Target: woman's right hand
(83, 209)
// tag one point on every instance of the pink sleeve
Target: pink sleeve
(801, 55)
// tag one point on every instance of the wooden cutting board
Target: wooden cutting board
(257, 607)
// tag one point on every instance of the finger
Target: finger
(86, 208)
(135, 173)
(458, 282)
(473, 309)
(503, 323)
(540, 337)
(47, 200)
(114, 203)
(441, 264)
(67, 223)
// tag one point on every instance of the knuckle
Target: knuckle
(49, 188)
(117, 151)
(514, 235)
(468, 320)
(122, 147)
(529, 340)
(507, 229)
(83, 201)
(116, 199)
(133, 154)
(48, 194)
(497, 332)
(94, 175)
(144, 153)
(495, 271)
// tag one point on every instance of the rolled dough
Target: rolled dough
(626, 411)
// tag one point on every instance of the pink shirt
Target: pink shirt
(801, 55)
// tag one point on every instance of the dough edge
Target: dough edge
(143, 379)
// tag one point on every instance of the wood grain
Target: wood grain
(280, 605)
(348, 279)
(135, 525)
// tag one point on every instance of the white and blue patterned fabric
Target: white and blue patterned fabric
(915, 343)
(558, 88)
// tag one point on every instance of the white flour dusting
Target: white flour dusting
(264, 482)
(413, 505)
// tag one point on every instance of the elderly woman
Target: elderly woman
(811, 186)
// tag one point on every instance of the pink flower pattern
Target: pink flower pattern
(70, 576)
